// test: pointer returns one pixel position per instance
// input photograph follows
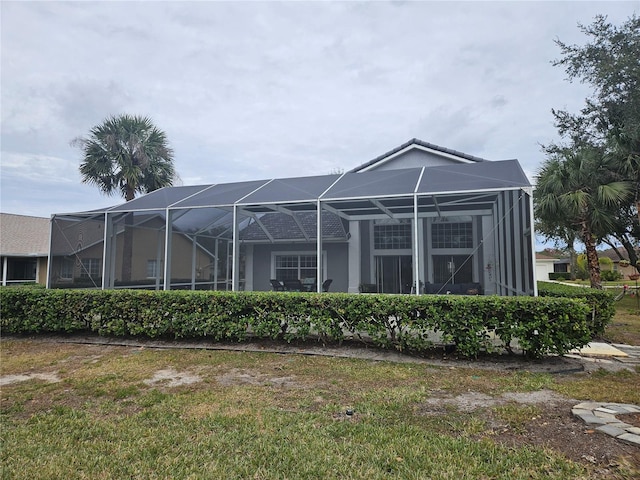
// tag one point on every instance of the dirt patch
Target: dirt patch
(630, 418)
(471, 401)
(555, 428)
(11, 379)
(247, 377)
(172, 378)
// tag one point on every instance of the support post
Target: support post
(194, 247)
(106, 252)
(167, 249)
(319, 278)
(4, 271)
(235, 252)
(532, 260)
(416, 249)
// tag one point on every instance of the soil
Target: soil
(558, 430)
(630, 418)
(554, 428)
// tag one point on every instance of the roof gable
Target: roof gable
(417, 153)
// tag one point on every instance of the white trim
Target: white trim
(314, 253)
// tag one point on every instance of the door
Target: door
(452, 269)
(394, 273)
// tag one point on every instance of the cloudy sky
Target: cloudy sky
(276, 89)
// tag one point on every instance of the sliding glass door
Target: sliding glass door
(452, 269)
(394, 273)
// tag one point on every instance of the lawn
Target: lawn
(90, 412)
(625, 326)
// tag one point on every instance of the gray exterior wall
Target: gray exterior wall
(415, 158)
(366, 275)
(337, 263)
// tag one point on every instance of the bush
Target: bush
(560, 276)
(403, 322)
(610, 275)
(601, 303)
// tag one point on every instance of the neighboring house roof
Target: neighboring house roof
(545, 257)
(416, 143)
(610, 253)
(24, 236)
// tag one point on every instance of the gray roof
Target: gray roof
(415, 141)
(435, 180)
(24, 236)
(282, 226)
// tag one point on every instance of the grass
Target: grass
(264, 416)
(625, 326)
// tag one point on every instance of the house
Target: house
(620, 265)
(77, 254)
(417, 219)
(24, 248)
(548, 262)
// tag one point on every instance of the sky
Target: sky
(255, 90)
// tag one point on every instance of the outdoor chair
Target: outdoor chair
(293, 286)
(326, 284)
(277, 285)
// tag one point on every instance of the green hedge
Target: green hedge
(403, 322)
(601, 302)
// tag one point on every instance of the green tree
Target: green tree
(126, 154)
(610, 119)
(575, 189)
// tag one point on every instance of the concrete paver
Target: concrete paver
(597, 415)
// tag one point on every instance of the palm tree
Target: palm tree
(575, 189)
(127, 154)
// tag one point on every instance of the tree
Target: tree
(609, 121)
(576, 190)
(127, 154)
(611, 116)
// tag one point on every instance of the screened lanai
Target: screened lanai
(463, 228)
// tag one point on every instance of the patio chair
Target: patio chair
(293, 286)
(277, 285)
(326, 284)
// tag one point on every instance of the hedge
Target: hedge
(404, 322)
(601, 302)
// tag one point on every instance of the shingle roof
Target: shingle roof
(416, 141)
(21, 235)
(284, 227)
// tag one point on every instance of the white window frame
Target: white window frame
(154, 262)
(298, 253)
(86, 269)
(67, 269)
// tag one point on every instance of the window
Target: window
(394, 236)
(90, 268)
(452, 235)
(66, 269)
(294, 267)
(152, 268)
(21, 269)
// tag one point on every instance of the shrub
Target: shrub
(403, 322)
(610, 275)
(560, 276)
(600, 302)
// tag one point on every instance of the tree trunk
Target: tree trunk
(631, 251)
(593, 264)
(573, 260)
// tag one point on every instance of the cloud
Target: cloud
(274, 89)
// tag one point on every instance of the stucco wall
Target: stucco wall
(337, 263)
